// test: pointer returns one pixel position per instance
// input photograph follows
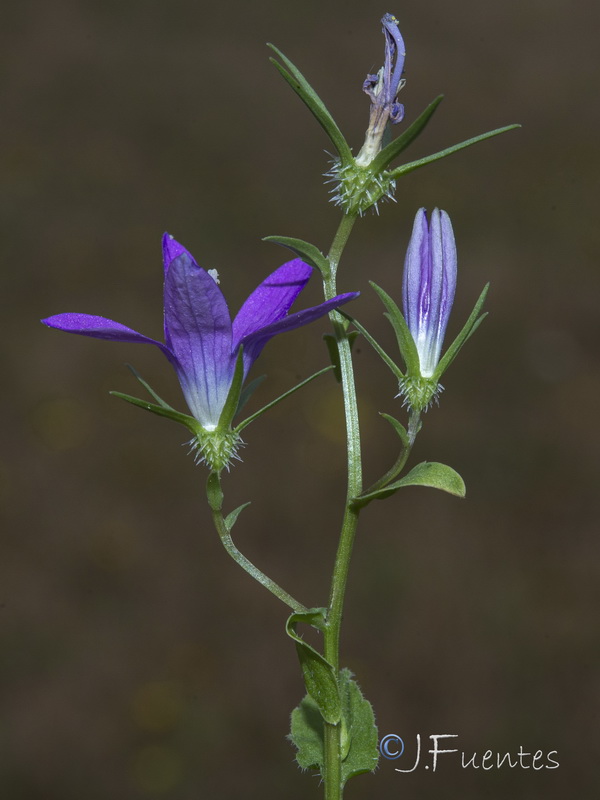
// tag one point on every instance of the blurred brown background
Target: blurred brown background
(137, 660)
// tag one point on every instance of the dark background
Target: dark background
(137, 660)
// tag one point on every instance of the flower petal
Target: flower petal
(101, 328)
(271, 300)
(171, 249)
(198, 330)
(254, 342)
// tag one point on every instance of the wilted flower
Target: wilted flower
(201, 341)
(383, 90)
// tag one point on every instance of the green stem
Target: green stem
(215, 501)
(333, 765)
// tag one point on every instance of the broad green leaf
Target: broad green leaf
(308, 252)
(319, 675)
(406, 343)
(394, 148)
(189, 422)
(428, 473)
(148, 388)
(231, 518)
(470, 326)
(313, 102)
(358, 732)
(261, 411)
(307, 735)
(235, 390)
(406, 168)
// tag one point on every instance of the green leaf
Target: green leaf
(358, 732)
(334, 353)
(261, 411)
(428, 473)
(308, 252)
(235, 390)
(249, 391)
(319, 675)
(163, 411)
(307, 735)
(406, 168)
(375, 345)
(468, 329)
(399, 428)
(406, 343)
(313, 102)
(394, 148)
(231, 518)
(148, 388)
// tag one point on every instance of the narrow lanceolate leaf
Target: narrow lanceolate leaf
(162, 411)
(148, 388)
(235, 390)
(428, 473)
(406, 342)
(261, 411)
(468, 329)
(394, 148)
(375, 345)
(248, 391)
(231, 518)
(410, 167)
(319, 675)
(308, 252)
(313, 102)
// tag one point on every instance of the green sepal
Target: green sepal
(307, 251)
(319, 675)
(162, 410)
(394, 148)
(406, 343)
(231, 518)
(334, 353)
(358, 732)
(233, 396)
(375, 345)
(281, 397)
(428, 473)
(313, 102)
(248, 391)
(147, 387)
(468, 329)
(421, 162)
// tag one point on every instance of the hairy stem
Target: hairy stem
(332, 776)
(215, 501)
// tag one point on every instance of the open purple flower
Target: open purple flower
(429, 285)
(201, 341)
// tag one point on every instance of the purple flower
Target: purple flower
(201, 341)
(429, 284)
(383, 90)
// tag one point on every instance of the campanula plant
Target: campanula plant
(333, 728)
